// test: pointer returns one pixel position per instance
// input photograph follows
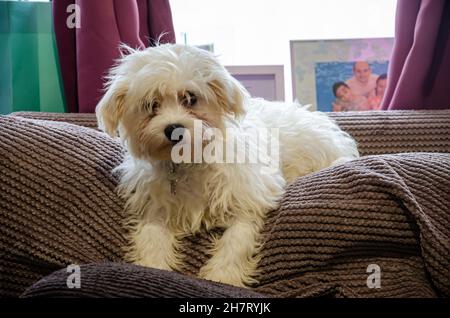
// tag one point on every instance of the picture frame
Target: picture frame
(265, 81)
(319, 66)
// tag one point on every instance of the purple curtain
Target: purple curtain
(419, 71)
(86, 53)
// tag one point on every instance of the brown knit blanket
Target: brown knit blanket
(58, 206)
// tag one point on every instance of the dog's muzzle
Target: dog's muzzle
(168, 131)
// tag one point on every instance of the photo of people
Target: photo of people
(380, 88)
(350, 86)
(347, 100)
(320, 68)
(363, 81)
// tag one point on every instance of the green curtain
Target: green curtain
(29, 69)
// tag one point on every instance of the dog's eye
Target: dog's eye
(189, 99)
(151, 106)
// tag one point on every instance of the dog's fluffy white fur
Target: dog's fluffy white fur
(154, 88)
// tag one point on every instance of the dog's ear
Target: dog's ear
(110, 108)
(230, 95)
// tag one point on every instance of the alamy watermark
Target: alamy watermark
(259, 146)
(74, 18)
(374, 279)
(74, 279)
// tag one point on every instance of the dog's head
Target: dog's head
(152, 92)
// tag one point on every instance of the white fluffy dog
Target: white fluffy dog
(154, 92)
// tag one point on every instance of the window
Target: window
(257, 32)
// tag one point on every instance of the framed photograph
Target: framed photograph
(266, 81)
(340, 75)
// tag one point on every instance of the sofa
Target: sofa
(385, 214)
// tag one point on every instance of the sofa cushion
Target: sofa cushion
(57, 199)
(58, 207)
(128, 280)
(376, 132)
(334, 227)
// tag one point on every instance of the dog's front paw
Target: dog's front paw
(226, 275)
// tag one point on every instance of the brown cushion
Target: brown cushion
(58, 207)
(386, 132)
(388, 210)
(377, 132)
(85, 119)
(57, 201)
(128, 280)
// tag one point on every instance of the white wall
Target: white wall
(254, 32)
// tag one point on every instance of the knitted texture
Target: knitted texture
(128, 280)
(85, 119)
(377, 132)
(58, 206)
(385, 132)
(58, 203)
(392, 211)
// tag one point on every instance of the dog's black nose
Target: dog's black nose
(168, 131)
